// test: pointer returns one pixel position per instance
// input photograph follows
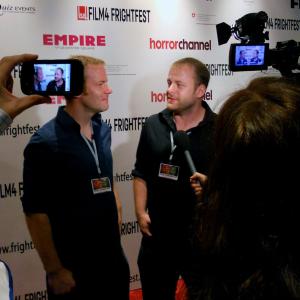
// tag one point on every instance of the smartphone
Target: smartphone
(62, 77)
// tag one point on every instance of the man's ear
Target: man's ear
(74, 98)
(200, 91)
(79, 96)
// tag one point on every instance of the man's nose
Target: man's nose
(108, 90)
(171, 88)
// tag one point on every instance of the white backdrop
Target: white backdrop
(138, 48)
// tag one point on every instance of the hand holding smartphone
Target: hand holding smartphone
(62, 77)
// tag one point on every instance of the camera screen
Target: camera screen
(52, 78)
(248, 57)
(251, 55)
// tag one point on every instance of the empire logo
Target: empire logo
(295, 4)
(74, 40)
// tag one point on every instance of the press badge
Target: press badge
(168, 171)
(101, 185)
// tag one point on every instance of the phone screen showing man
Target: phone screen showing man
(52, 78)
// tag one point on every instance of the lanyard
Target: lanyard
(93, 149)
(173, 146)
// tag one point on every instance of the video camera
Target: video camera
(252, 53)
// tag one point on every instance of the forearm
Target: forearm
(140, 200)
(41, 234)
(119, 206)
(140, 196)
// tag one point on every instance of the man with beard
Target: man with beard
(164, 199)
(58, 84)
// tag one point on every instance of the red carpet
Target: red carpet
(180, 292)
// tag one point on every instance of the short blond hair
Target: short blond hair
(87, 60)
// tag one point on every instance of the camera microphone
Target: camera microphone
(181, 140)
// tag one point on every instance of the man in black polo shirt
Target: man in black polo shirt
(164, 200)
(58, 84)
(69, 197)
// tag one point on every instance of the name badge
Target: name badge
(168, 171)
(101, 185)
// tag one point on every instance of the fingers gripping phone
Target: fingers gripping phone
(62, 77)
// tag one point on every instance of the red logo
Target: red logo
(158, 97)
(162, 97)
(81, 12)
(180, 44)
(73, 40)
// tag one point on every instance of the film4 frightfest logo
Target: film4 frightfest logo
(295, 3)
(82, 13)
(85, 13)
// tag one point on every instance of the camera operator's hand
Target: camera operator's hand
(9, 103)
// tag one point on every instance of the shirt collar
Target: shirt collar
(67, 121)
(167, 116)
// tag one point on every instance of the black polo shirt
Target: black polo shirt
(171, 203)
(58, 169)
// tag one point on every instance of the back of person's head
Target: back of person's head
(253, 190)
(257, 135)
(202, 75)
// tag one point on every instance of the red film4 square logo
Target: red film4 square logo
(81, 13)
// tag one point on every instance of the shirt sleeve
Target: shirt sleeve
(5, 120)
(36, 178)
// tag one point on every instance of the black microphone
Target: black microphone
(181, 139)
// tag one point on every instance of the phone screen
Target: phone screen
(52, 77)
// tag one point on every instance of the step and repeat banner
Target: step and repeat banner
(139, 40)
